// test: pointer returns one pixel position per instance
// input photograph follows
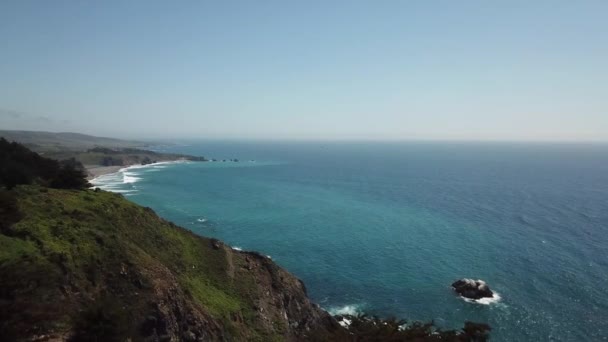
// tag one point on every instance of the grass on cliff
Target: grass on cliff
(81, 227)
(87, 234)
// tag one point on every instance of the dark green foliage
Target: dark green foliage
(9, 211)
(19, 165)
(71, 175)
(104, 320)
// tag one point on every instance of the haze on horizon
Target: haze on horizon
(472, 70)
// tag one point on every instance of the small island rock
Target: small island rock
(473, 289)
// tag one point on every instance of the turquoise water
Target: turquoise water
(385, 228)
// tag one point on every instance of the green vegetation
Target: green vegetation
(82, 240)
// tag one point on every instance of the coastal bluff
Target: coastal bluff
(84, 264)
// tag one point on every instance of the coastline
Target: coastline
(94, 171)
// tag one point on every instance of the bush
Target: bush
(9, 211)
(104, 320)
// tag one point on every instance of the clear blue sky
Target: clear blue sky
(500, 70)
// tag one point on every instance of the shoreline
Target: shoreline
(96, 171)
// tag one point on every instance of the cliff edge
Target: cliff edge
(86, 264)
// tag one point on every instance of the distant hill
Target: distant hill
(90, 151)
(53, 142)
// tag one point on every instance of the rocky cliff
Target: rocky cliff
(83, 265)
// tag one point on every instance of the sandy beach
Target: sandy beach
(95, 171)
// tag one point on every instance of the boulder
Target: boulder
(472, 289)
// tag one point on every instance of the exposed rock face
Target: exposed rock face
(472, 289)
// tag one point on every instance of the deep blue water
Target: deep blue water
(385, 228)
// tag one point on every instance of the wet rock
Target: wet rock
(472, 289)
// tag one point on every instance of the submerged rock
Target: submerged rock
(473, 289)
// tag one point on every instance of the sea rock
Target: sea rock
(472, 289)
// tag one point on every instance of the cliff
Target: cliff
(83, 264)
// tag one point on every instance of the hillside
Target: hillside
(96, 154)
(90, 263)
(101, 157)
(44, 142)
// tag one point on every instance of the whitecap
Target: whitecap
(130, 177)
(484, 301)
(351, 309)
(115, 182)
(202, 220)
(237, 248)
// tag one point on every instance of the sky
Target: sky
(379, 70)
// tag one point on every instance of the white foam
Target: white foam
(237, 248)
(345, 322)
(484, 301)
(352, 310)
(201, 220)
(115, 182)
(130, 177)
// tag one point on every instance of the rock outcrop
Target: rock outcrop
(472, 289)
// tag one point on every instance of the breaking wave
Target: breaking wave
(484, 301)
(352, 309)
(122, 181)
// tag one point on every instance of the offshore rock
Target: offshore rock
(472, 289)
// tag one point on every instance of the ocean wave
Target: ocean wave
(484, 301)
(202, 220)
(126, 176)
(351, 309)
(130, 177)
(237, 248)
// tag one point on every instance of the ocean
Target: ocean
(385, 228)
